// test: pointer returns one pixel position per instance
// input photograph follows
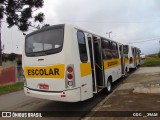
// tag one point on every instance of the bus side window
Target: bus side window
(115, 50)
(82, 46)
(106, 49)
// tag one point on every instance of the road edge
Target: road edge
(98, 106)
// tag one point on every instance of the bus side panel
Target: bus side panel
(71, 56)
(112, 70)
(84, 75)
(108, 73)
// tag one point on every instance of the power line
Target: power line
(143, 41)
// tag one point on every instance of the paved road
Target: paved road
(17, 101)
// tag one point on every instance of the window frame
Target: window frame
(46, 52)
(109, 42)
(80, 54)
(117, 56)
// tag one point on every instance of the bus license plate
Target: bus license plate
(43, 86)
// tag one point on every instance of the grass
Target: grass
(151, 62)
(153, 55)
(11, 88)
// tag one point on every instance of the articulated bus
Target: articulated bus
(67, 63)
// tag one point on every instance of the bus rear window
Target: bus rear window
(44, 42)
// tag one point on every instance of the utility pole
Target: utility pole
(109, 33)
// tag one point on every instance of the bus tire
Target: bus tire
(126, 72)
(109, 86)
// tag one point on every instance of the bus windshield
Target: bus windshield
(44, 42)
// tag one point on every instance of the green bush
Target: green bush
(153, 55)
(150, 62)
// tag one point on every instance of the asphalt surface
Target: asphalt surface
(17, 101)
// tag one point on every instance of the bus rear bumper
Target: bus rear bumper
(66, 96)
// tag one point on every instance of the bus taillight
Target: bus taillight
(69, 79)
(70, 76)
(70, 69)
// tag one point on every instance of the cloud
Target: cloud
(129, 20)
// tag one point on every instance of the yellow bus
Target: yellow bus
(67, 63)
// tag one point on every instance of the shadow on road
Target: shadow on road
(82, 108)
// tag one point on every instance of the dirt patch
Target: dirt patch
(142, 78)
(125, 100)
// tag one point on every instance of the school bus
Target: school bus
(124, 51)
(67, 63)
(134, 57)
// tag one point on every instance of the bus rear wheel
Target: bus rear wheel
(109, 86)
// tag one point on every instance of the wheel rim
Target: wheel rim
(109, 86)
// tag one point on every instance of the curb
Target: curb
(98, 106)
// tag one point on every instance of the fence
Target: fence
(19, 71)
(7, 75)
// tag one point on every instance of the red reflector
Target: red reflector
(70, 69)
(70, 76)
(43, 86)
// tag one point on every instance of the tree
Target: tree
(45, 25)
(12, 56)
(20, 13)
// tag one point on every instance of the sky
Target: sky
(134, 22)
